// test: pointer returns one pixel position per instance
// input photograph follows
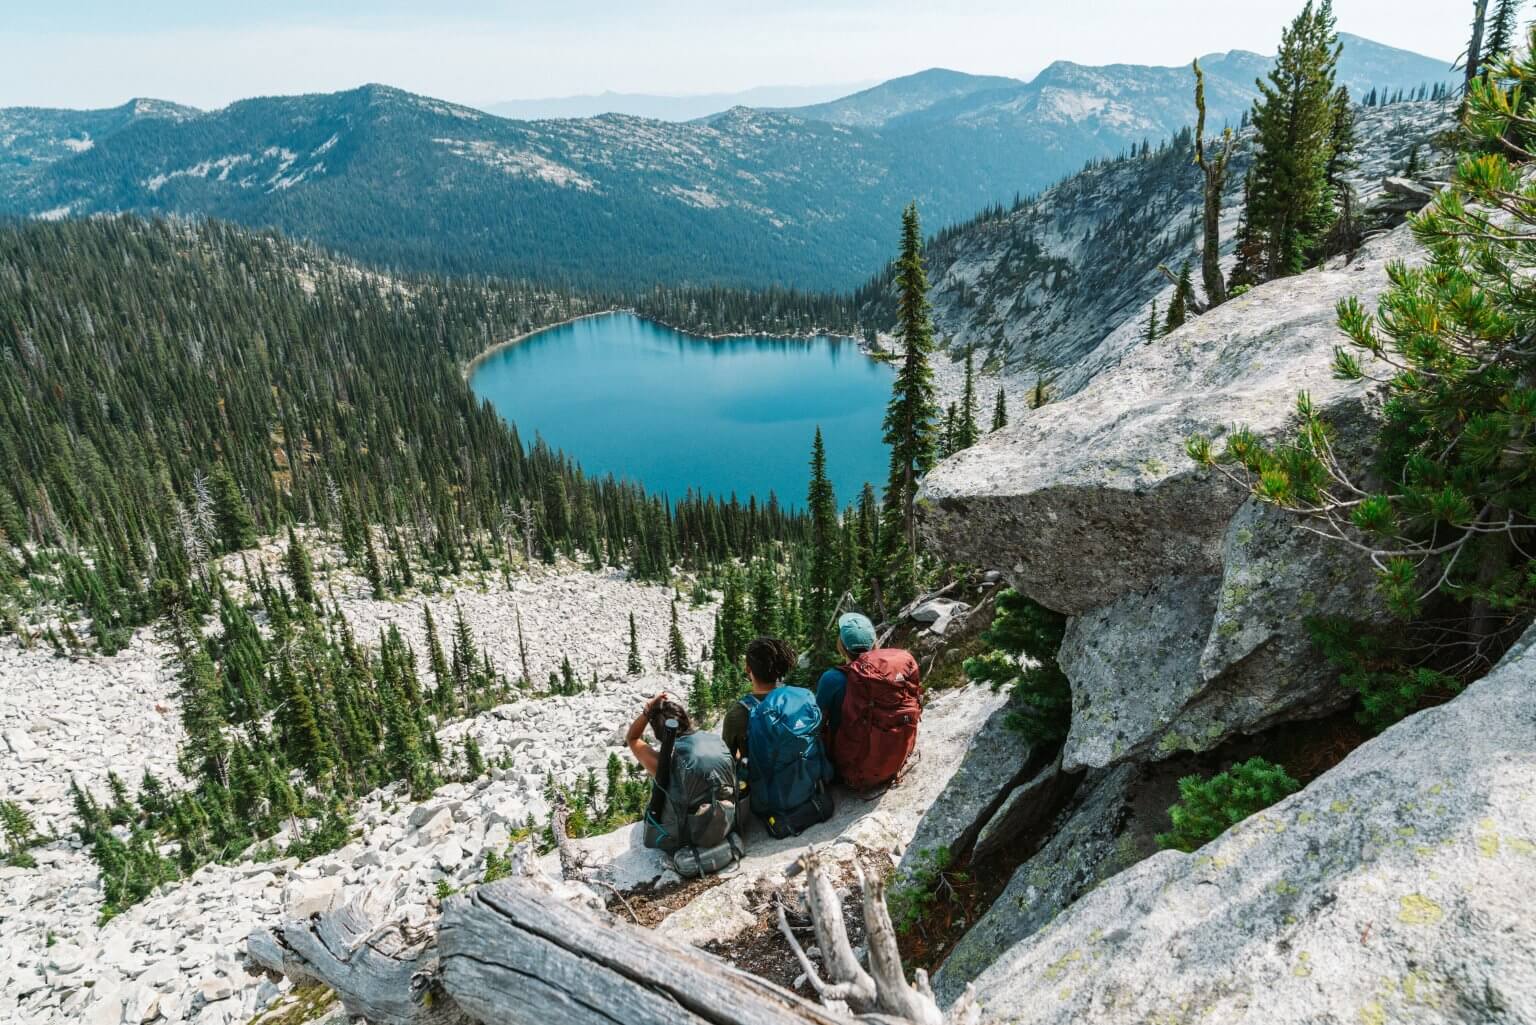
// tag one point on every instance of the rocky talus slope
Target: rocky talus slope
(177, 956)
(1388, 888)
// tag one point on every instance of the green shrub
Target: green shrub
(1209, 807)
(1372, 664)
(930, 880)
(19, 834)
(1042, 700)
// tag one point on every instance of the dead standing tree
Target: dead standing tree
(1215, 170)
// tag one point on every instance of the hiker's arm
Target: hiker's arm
(733, 731)
(644, 753)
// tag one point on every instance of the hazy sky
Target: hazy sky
(79, 53)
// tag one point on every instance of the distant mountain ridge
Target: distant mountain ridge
(806, 196)
(661, 107)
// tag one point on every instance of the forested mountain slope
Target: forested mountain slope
(33, 138)
(156, 369)
(801, 197)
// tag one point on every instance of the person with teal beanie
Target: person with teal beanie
(855, 635)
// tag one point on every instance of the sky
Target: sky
(99, 53)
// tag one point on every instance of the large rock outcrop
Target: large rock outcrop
(1188, 598)
(1394, 888)
(1092, 497)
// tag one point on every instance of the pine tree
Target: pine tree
(474, 763)
(372, 568)
(821, 594)
(443, 694)
(231, 516)
(635, 667)
(1000, 410)
(353, 530)
(205, 750)
(1178, 306)
(300, 571)
(909, 419)
(767, 611)
(735, 623)
(700, 699)
(966, 431)
(1040, 394)
(303, 742)
(1152, 330)
(466, 657)
(1504, 34)
(677, 649)
(1288, 209)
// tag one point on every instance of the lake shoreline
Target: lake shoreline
(469, 367)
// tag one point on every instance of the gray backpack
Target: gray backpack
(697, 822)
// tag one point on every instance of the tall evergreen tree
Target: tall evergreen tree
(474, 761)
(437, 661)
(231, 515)
(635, 666)
(1178, 306)
(822, 593)
(947, 432)
(1503, 35)
(1040, 394)
(1000, 410)
(909, 419)
(767, 610)
(1289, 206)
(1152, 331)
(677, 648)
(300, 570)
(966, 431)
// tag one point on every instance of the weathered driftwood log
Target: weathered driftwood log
(528, 951)
(881, 994)
(511, 954)
(386, 973)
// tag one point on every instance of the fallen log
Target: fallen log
(385, 973)
(522, 951)
(512, 954)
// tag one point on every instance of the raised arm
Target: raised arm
(644, 753)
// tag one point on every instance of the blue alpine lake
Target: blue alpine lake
(672, 411)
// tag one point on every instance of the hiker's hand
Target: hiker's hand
(660, 696)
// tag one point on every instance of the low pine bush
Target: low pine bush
(1024, 630)
(1210, 806)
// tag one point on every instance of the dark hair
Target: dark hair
(770, 659)
(669, 709)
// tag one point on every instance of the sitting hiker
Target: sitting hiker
(776, 730)
(871, 706)
(692, 812)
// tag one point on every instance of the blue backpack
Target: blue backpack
(786, 763)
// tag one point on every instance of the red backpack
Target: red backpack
(881, 709)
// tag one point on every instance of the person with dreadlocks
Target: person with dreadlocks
(775, 733)
(692, 812)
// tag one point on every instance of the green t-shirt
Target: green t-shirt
(733, 729)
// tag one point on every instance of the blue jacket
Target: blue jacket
(829, 697)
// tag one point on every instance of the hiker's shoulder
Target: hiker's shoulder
(833, 677)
